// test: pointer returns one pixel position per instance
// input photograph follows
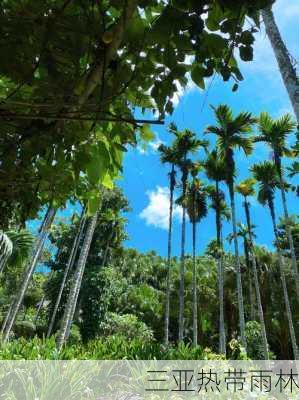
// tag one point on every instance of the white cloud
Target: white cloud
(156, 213)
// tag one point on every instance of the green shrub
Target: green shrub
(25, 329)
(254, 340)
(127, 326)
(75, 335)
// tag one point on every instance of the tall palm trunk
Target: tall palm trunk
(287, 70)
(248, 267)
(167, 303)
(76, 283)
(287, 225)
(283, 281)
(194, 279)
(256, 284)
(6, 248)
(37, 250)
(182, 265)
(40, 306)
(77, 303)
(238, 267)
(222, 338)
(69, 266)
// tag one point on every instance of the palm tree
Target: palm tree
(185, 143)
(215, 170)
(244, 234)
(36, 253)
(22, 242)
(167, 155)
(196, 204)
(268, 179)
(246, 189)
(287, 70)
(233, 133)
(5, 249)
(275, 133)
(69, 266)
(293, 169)
(72, 299)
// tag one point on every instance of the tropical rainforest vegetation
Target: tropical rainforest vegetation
(74, 78)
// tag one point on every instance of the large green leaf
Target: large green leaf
(197, 75)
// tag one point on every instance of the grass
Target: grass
(110, 348)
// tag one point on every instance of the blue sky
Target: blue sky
(145, 179)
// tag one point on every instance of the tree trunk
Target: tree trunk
(284, 285)
(37, 250)
(251, 294)
(182, 267)
(6, 248)
(41, 303)
(289, 234)
(69, 266)
(167, 303)
(222, 339)
(287, 70)
(76, 283)
(238, 268)
(194, 284)
(76, 305)
(256, 284)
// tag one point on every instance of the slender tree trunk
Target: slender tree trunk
(167, 303)
(289, 234)
(251, 294)
(238, 268)
(222, 338)
(256, 284)
(182, 267)
(6, 318)
(76, 283)
(76, 305)
(194, 284)
(284, 285)
(37, 250)
(6, 248)
(109, 240)
(41, 303)
(69, 266)
(287, 70)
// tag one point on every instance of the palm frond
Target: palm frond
(266, 175)
(246, 187)
(22, 243)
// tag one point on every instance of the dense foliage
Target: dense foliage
(73, 73)
(74, 79)
(120, 311)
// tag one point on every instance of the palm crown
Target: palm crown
(218, 202)
(196, 201)
(246, 187)
(232, 132)
(275, 133)
(215, 167)
(266, 175)
(186, 142)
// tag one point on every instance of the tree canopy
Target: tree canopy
(73, 73)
